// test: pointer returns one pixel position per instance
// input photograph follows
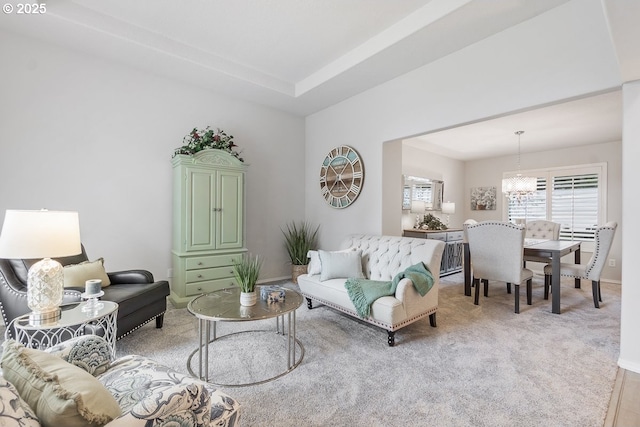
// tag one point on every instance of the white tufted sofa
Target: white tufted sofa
(382, 258)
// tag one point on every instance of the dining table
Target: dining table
(554, 250)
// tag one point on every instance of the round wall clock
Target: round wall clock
(341, 176)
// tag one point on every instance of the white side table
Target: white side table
(73, 322)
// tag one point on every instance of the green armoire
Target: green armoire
(208, 223)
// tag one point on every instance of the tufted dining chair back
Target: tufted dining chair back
(496, 250)
(543, 229)
(593, 269)
(465, 224)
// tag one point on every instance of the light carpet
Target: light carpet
(482, 366)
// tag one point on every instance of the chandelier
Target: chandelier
(518, 188)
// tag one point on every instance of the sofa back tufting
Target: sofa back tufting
(385, 256)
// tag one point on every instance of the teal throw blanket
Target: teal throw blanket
(364, 292)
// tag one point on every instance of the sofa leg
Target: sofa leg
(159, 321)
(391, 338)
(309, 303)
(432, 320)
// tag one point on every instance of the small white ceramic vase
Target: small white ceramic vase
(248, 298)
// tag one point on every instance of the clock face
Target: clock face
(341, 176)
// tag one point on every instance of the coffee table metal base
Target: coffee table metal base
(205, 328)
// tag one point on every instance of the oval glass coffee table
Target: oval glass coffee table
(224, 306)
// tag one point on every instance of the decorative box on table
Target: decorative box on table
(272, 293)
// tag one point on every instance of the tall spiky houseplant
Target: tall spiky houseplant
(246, 271)
(299, 239)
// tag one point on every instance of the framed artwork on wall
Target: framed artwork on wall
(483, 198)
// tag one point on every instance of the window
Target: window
(575, 197)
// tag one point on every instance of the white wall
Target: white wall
(81, 133)
(630, 312)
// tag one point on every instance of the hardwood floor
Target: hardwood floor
(624, 410)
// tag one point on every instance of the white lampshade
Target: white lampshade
(448, 208)
(41, 234)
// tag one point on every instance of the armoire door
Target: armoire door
(229, 210)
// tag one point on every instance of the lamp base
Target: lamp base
(45, 286)
(45, 317)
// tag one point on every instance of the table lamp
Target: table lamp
(41, 234)
(448, 208)
(418, 207)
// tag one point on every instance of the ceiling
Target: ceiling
(585, 121)
(302, 56)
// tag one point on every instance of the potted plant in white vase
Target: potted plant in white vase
(246, 271)
(299, 239)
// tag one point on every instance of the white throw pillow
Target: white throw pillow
(75, 275)
(314, 263)
(340, 264)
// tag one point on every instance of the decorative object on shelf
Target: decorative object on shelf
(202, 139)
(246, 270)
(483, 198)
(341, 176)
(430, 222)
(448, 208)
(41, 234)
(519, 188)
(299, 239)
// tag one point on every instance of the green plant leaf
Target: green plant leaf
(299, 239)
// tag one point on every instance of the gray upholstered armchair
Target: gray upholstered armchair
(140, 298)
(497, 249)
(593, 269)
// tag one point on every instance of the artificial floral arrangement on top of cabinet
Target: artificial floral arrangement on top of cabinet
(207, 138)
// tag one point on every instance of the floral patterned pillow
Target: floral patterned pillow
(13, 410)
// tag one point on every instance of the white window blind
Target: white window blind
(574, 197)
(574, 204)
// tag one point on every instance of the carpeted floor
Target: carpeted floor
(482, 366)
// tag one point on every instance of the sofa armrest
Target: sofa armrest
(182, 404)
(406, 291)
(130, 276)
(89, 352)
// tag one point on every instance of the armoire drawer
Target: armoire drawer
(210, 261)
(208, 274)
(208, 286)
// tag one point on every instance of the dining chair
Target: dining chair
(593, 269)
(541, 229)
(497, 249)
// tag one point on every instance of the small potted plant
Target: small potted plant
(299, 239)
(246, 271)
